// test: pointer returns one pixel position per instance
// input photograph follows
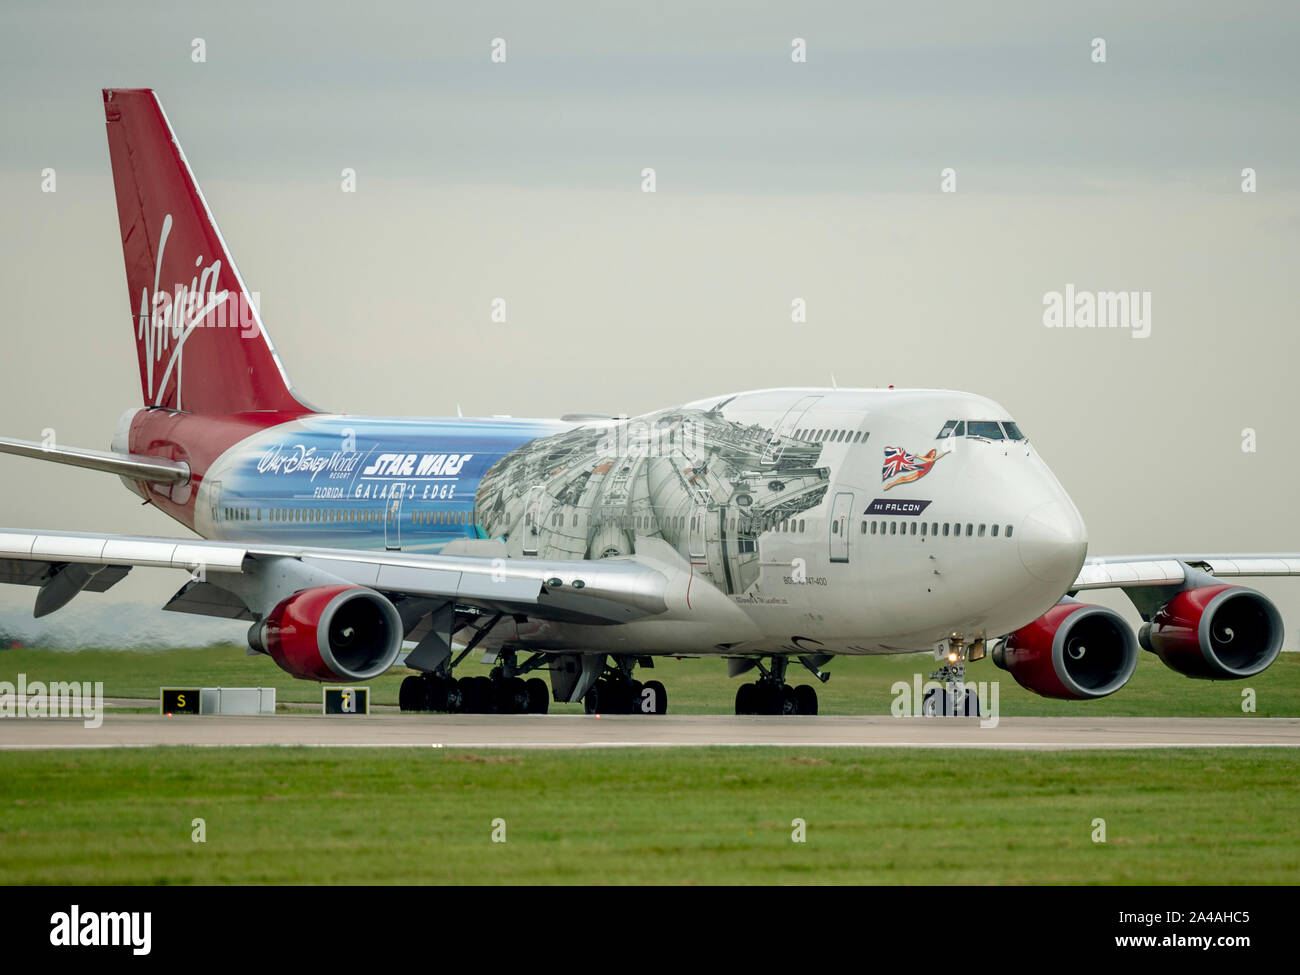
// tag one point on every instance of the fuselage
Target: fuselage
(832, 521)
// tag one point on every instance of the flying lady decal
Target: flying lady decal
(904, 468)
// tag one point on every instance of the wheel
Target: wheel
(805, 698)
(591, 700)
(655, 697)
(437, 688)
(935, 703)
(747, 699)
(971, 709)
(539, 696)
(511, 695)
(633, 695)
(455, 696)
(616, 697)
(413, 695)
(484, 694)
(767, 699)
(474, 698)
(786, 703)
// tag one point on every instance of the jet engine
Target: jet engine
(1215, 633)
(331, 633)
(1075, 651)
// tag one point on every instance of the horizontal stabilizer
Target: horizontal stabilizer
(136, 467)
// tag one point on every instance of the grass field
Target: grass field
(859, 685)
(656, 816)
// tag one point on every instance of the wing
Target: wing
(1126, 571)
(237, 580)
(1150, 581)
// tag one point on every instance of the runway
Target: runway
(396, 730)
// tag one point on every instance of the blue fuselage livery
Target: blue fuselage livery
(361, 482)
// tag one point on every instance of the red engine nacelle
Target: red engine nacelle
(1075, 651)
(332, 633)
(1215, 633)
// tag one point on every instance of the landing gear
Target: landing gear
(954, 699)
(504, 691)
(618, 692)
(943, 702)
(770, 694)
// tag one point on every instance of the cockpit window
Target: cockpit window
(988, 429)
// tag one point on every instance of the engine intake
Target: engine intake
(1074, 651)
(331, 633)
(1215, 633)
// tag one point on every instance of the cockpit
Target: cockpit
(981, 429)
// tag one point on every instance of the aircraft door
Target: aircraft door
(214, 499)
(393, 524)
(533, 519)
(841, 512)
(696, 539)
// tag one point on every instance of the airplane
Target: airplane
(767, 527)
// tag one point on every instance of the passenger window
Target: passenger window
(1008, 531)
(981, 531)
(969, 529)
(873, 528)
(835, 527)
(934, 528)
(801, 524)
(995, 531)
(913, 531)
(924, 526)
(945, 529)
(893, 528)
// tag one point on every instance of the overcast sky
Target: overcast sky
(775, 180)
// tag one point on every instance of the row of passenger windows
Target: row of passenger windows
(364, 516)
(950, 529)
(831, 436)
(643, 522)
(988, 429)
(440, 517)
(679, 523)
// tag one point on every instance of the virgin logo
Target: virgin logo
(168, 319)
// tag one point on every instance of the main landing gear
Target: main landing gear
(504, 691)
(770, 694)
(616, 691)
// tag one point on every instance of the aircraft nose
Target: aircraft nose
(1053, 542)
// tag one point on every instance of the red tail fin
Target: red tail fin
(199, 337)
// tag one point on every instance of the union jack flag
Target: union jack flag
(903, 468)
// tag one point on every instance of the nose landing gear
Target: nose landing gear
(954, 699)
